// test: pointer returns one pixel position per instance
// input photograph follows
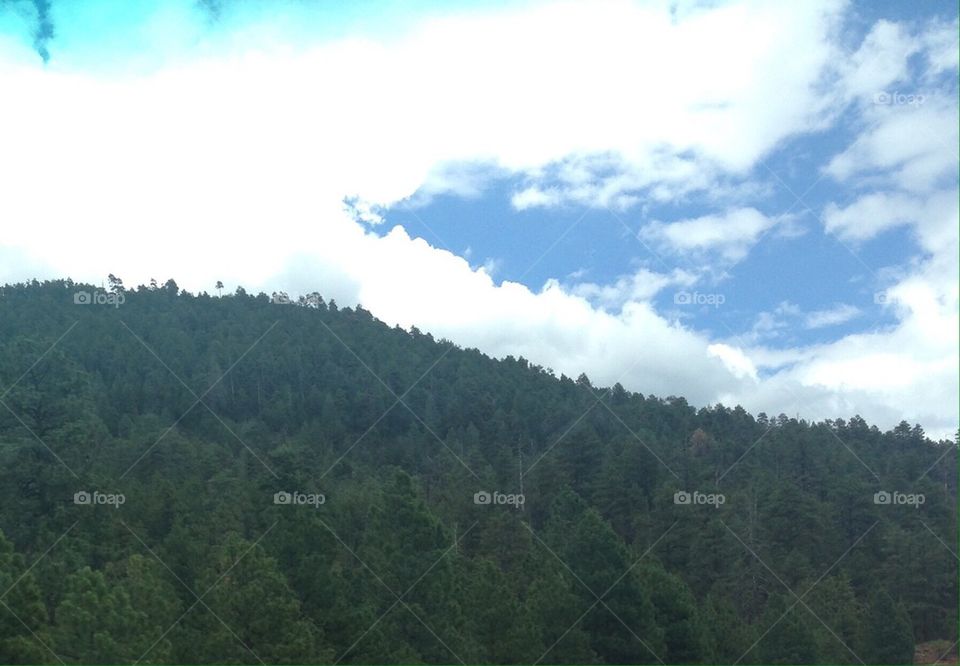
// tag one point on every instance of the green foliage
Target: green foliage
(788, 633)
(24, 636)
(247, 611)
(685, 636)
(889, 638)
(200, 409)
(731, 640)
(100, 623)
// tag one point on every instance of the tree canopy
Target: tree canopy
(242, 478)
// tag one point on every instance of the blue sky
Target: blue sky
(740, 202)
(806, 267)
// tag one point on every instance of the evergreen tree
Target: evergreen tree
(24, 635)
(731, 640)
(684, 633)
(557, 616)
(498, 623)
(787, 635)
(247, 612)
(98, 623)
(888, 636)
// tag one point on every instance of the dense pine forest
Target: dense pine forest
(238, 478)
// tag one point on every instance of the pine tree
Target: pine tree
(788, 636)
(685, 635)
(622, 624)
(731, 640)
(248, 611)
(150, 588)
(889, 637)
(98, 623)
(495, 619)
(556, 612)
(838, 637)
(24, 635)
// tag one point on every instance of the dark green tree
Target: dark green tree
(888, 635)
(248, 612)
(24, 635)
(787, 637)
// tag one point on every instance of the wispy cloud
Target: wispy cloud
(839, 314)
(729, 235)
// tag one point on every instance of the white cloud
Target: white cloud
(870, 214)
(911, 146)
(642, 285)
(534, 196)
(880, 61)
(730, 235)
(941, 47)
(787, 317)
(407, 282)
(235, 167)
(734, 360)
(839, 314)
(933, 217)
(905, 157)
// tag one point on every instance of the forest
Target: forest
(239, 478)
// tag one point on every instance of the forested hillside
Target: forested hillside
(237, 479)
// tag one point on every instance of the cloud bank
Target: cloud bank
(232, 161)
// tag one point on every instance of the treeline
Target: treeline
(243, 478)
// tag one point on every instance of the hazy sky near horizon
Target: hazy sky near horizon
(742, 202)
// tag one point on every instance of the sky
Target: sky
(742, 202)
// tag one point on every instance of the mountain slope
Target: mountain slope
(434, 504)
